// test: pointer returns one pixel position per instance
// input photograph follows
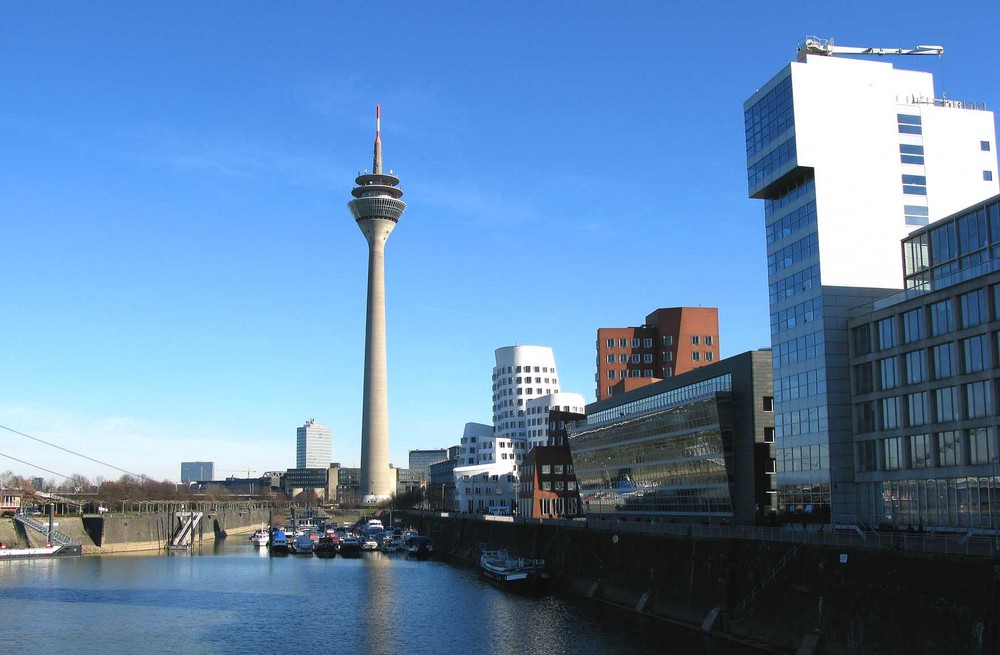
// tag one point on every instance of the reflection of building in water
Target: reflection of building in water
(378, 609)
(695, 446)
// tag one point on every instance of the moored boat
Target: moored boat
(326, 546)
(515, 573)
(279, 542)
(419, 547)
(260, 538)
(350, 546)
(303, 543)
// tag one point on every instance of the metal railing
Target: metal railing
(967, 544)
(43, 528)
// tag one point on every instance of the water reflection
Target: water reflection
(234, 598)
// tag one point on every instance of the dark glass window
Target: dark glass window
(943, 247)
(979, 399)
(942, 321)
(944, 360)
(946, 404)
(976, 353)
(972, 232)
(950, 450)
(916, 367)
(974, 310)
(887, 337)
(888, 373)
(913, 325)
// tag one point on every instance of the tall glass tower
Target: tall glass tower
(848, 156)
(377, 208)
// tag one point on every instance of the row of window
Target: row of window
(792, 222)
(944, 363)
(941, 405)
(648, 343)
(800, 189)
(967, 234)
(928, 450)
(792, 253)
(935, 320)
(637, 358)
(771, 163)
(769, 117)
(799, 314)
(519, 369)
(664, 399)
(808, 346)
(794, 284)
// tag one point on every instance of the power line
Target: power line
(71, 452)
(41, 468)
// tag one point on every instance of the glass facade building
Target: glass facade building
(696, 446)
(925, 364)
(848, 156)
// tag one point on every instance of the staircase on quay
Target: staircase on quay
(184, 529)
(745, 604)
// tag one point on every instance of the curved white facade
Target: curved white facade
(537, 414)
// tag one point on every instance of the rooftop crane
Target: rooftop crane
(813, 45)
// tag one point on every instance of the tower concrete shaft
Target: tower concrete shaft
(376, 208)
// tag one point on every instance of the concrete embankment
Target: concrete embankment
(116, 533)
(133, 532)
(823, 600)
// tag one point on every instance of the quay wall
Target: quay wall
(131, 532)
(824, 600)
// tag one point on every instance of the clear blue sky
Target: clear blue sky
(180, 278)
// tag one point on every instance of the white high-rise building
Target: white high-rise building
(849, 156)
(313, 446)
(491, 458)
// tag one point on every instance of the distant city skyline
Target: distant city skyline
(181, 283)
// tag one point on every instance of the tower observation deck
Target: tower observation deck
(377, 208)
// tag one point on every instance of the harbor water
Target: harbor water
(230, 597)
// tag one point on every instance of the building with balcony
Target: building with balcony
(925, 364)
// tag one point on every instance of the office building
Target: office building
(925, 363)
(197, 471)
(695, 447)
(848, 156)
(313, 445)
(377, 208)
(422, 459)
(671, 341)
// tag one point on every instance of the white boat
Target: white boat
(369, 544)
(260, 538)
(515, 573)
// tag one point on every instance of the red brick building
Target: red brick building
(671, 341)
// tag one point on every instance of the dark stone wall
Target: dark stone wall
(875, 602)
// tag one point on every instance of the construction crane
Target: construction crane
(813, 45)
(249, 471)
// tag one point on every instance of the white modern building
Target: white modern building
(524, 377)
(849, 156)
(537, 414)
(313, 446)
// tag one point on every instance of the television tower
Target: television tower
(376, 208)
